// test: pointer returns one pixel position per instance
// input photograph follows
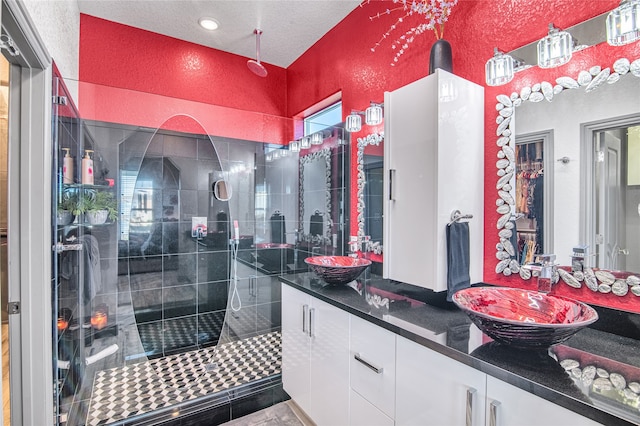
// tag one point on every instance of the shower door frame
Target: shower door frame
(30, 331)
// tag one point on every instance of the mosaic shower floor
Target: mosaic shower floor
(124, 392)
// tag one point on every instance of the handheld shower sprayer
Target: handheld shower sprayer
(235, 243)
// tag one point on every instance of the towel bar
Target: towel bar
(456, 216)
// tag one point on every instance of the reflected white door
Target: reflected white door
(616, 212)
(610, 223)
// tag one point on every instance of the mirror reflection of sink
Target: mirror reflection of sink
(524, 318)
(274, 254)
(337, 269)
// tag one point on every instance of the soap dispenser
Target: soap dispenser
(87, 168)
(67, 167)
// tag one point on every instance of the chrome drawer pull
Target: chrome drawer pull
(367, 364)
(312, 322)
(493, 413)
(471, 392)
(305, 310)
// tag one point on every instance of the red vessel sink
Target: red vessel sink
(524, 318)
(337, 269)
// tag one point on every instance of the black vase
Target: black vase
(440, 56)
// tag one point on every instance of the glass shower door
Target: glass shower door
(67, 328)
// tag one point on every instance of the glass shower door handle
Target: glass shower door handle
(60, 247)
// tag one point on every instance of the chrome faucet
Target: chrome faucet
(546, 267)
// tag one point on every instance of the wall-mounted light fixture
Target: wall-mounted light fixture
(305, 142)
(275, 153)
(555, 49)
(372, 117)
(373, 114)
(353, 123)
(317, 138)
(294, 146)
(499, 69)
(623, 23)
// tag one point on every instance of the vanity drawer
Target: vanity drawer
(373, 364)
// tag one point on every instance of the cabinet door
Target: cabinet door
(508, 405)
(329, 364)
(411, 141)
(432, 389)
(296, 346)
(373, 364)
(363, 413)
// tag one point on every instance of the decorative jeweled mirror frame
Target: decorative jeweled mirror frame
(588, 80)
(371, 139)
(322, 155)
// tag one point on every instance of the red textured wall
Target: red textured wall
(342, 61)
(120, 56)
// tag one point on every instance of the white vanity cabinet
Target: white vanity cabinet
(373, 374)
(433, 161)
(315, 356)
(363, 413)
(344, 370)
(508, 405)
(433, 389)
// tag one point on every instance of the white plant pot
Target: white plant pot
(65, 217)
(98, 217)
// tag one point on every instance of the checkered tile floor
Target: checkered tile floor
(157, 337)
(123, 392)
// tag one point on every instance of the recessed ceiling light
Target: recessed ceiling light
(208, 23)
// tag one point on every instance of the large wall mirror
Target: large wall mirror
(315, 197)
(592, 121)
(370, 199)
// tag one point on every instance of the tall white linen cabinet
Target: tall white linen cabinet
(434, 165)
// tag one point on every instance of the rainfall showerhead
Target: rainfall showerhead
(255, 66)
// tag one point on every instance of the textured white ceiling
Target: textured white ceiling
(289, 27)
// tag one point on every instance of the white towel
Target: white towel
(102, 354)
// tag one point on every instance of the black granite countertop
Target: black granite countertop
(611, 345)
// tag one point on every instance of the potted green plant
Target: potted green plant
(98, 206)
(67, 208)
